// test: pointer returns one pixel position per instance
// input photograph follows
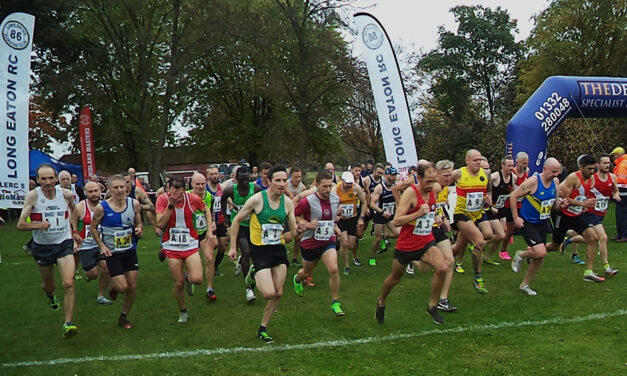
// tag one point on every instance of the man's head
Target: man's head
(370, 165)
(390, 175)
(356, 170)
(551, 168)
(473, 160)
(92, 192)
(31, 184)
(297, 176)
(277, 175)
(74, 178)
(242, 175)
(347, 180)
(46, 175)
(604, 162)
(522, 161)
(213, 174)
(378, 171)
(330, 167)
(587, 165)
(198, 183)
(427, 176)
(507, 165)
(324, 182)
(444, 169)
(265, 168)
(116, 184)
(131, 172)
(176, 184)
(65, 179)
(128, 183)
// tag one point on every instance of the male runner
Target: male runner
(370, 182)
(502, 185)
(540, 195)
(263, 181)
(121, 224)
(268, 212)
(317, 213)
(49, 208)
(521, 173)
(177, 213)
(215, 188)
(416, 214)
(349, 194)
(383, 204)
(331, 168)
(294, 187)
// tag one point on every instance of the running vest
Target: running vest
(180, 233)
(373, 183)
(441, 203)
(418, 233)
(602, 190)
(324, 211)
(84, 225)
(348, 202)
(200, 221)
(501, 192)
(581, 194)
(519, 181)
(471, 191)
(536, 208)
(77, 199)
(117, 228)
(56, 212)
(266, 227)
(131, 194)
(386, 200)
(218, 217)
(295, 191)
(239, 201)
(259, 182)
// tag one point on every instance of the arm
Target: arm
(529, 186)
(224, 202)
(139, 226)
(362, 198)
(374, 200)
(163, 210)
(29, 203)
(74, 222)
(615, 194)
(95, 222)
(254, 202)
(408, 200)
(291, 220)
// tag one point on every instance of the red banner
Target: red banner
(87, 144)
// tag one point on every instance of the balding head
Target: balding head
(198, 177)
(92, 191)
(65, 179)
(551, 163)
(473, 160)
(199, 184)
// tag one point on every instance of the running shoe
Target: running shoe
(112, 293)
(337, 310)
(183, 316)
(446, 306)
(250, 296)
(26, 249)
(593, 278)
(124, 324)
(409, 269)
(69, 330)
(356, 262)
(54, 303)
(459, 268)
(504, 255)
(516, 261)
(238, 267)
(218, 273)
(480, 286)
(103, 300)
(372, 261)
(77, 276)
(577, 260)
(380, 313)
(298, 286)
(435, 315)
(564, 245)
(264, 336)
(347, 271)
(309, 282)
(383, 247)
(249, 281)
(295, 262)
(609, 271)
(489, 261)
(211, 296)
(525, 289)
(189, 287)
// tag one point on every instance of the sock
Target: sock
(218, 260)
(123, 316)
(587, 272)
(261, 329)
(184, 310)
(606, 265)
(574, 255)
(478, 276)
(209, 289)
(334, 301)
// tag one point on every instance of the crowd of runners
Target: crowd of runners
(437, 214)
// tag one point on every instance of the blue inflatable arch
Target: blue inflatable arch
(557, 99)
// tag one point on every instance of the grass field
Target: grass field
(570, 328)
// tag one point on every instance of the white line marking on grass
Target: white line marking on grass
(315, 345)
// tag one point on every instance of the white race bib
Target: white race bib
(474, 201)
(424, 224)
(271, 233)
(180, 237)
(57, 220)
(347, 210)
(123, 239)
(389, 207)
(601, 204)
(545, 208)
(500, 201)
(324, 231)
(88, 237)
(576, 209)
(217, 204)
(200, 222)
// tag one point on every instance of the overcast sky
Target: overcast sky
(413, 24)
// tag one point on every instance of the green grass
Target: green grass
(29, 331)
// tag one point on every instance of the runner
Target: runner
(93, 262)
(268, 211)
(349, 195)
(370, 182)
(317, 213)
(263, 181)
(496, 231)
(383, 205)
(121, 224)
(331, 168)
(356, 171)
(576, 190)
(49, 208)
(236, 196)
(473, 191)
(179, 214)
(540, 195)
(294, 187)
(502, 185)
(215, 188)
(204, 227)
(416, 214)
(521, 172)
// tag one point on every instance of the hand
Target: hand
(175, 197)
(563, 203)
(518, 222)
(158, 232)
(424, 209)
(488, 199)
(438, 220)
(313, 224)
(302, 226)
(105, 251)
(232, 253)
(589, 203)
(616, 197)
(138, 231)
(386, 214)
(44, 225)
(77, 238)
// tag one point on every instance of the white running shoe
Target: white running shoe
(409, 270)
(103, 300)
(238, 267)
(250, 296)
(516, 261)
(525, 289)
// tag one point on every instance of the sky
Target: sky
(413, 24)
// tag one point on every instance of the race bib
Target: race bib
(424, 224)
(601, 204)
(474, 201)
(576, 209)
(88, 237)
(123, 239)
(545, 208)
(347, 210)
(500, 201)
(217, 204)
(271, 233)
(324, 231)
(180, 237)
(389, 207)
(57, 220)
(201, 222)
